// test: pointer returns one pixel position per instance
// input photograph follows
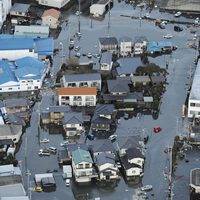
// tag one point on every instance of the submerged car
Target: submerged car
(168, 36)
(178, 14)
(38, 189)
(178, 28)
(146, 188)
(45, 140)
(157, 129)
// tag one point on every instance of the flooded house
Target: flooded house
(103, 117)
(194, 181)
(108, 44)
(106, 61)
(82, 165)
(73, 124)
(106, 167)
(140, 44)
(125, 46)
(20, 10)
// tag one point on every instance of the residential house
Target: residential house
(25, 74)
(108, 44)
(98, 9)
(12, 47)
(125, 46)
(153, 48)
(50, 18)
(45, 117)
(107, 168)
(166, 46)
(106, 61)
(77, 96)
(12, 132)
(140, 44)
(82, 165)
(53, 3)
(20, 10)
(127, 66)
(73, 124)
(101, 146)
(57, 113)
(36, 31)
(5, 6)
(157, 80)
(103, 117)
(82, 80)
(140, 80)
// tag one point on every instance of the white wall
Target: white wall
(53, 3)
(5, 6)
(135, 171)
(125, 48)
(194, 109)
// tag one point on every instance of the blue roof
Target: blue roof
(23, 62)
(6, 74)
(153, 47)
(42, 46)
(81, 155)
(165, 44)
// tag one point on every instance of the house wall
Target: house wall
(53, 3)
(15, 138)
(5, 6)
(76, 126)
(20, 14)
(97, 153)
(17, 109)
(84, 171)
(94, 83)
(125, 48)
(85, 100)
(138, 161)
(134, 171)
(194, 108)
(105, 66)
(15, 54)
(102, 127)
(50, 21)
(112, 48)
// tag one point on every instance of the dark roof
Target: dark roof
(106, 57)
(59, 109)
(157, 79)
(20, 7)
(104, 158)
(108, 41)
(134, 153)
(82, 77)
(73, 147)
(45, 115)
(129, 142)
(15, 102)
(100, 120)
(104, 109)
(128, 78)
(126, 164)
(128, 65)
(6, 142)
(134, 96)
(73, 118)
(15, 119)
(101, 145)
(118, 86)
(9, 180)
(140, 39)
(125, 39)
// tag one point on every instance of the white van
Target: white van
(67, 182)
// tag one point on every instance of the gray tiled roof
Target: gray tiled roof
(100, 120)
(134, 153)
(104, 158)
(101, 145)
(108, 41)
(118, 86)
(104, 109)
(20, 7)
(125, 39)
(62, 109)
(106, 57)
(73, 118)
(82, 77)
(15, 102)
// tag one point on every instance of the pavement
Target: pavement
(157, 162)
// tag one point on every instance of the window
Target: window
(9, 88)
(87, 165)
(80, 166)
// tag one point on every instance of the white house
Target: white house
(20, 9)
(25, 74)
(77, 96)
(53, 3)
(82, 165)
(125, 44)
(194, 180)
(82, 80)
(140, 43)
(194, 98)
(12, 132)
(107, 168)
(5, 6)
(106, 61)
(97, 10)
(73, 123)
(50, 18)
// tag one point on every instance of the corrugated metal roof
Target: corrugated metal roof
(77, 91)
(81, 155)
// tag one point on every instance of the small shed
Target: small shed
(20, 9)
(50, 18)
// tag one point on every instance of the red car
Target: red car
(157, 129)
(168, 150)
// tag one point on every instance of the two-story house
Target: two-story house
(107, 168)
(73, 124)
(140, 44)
(77, 96)
(125, 44)
(82, 165)
(108, 44)
(106, 61)
(82, 80)
(103, 117)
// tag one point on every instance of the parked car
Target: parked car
(168, 36)
(64, 143)
(178, 28)
(78, 55)
(90, 136)
(78, 34)
(196, 21)
(52, 150)
(43, 153)
(67, 182)
(89, 55)
(157, 129)
(126, 115)
(78, 13)
(45, 140)
(77, 48)
(178, 14)
(38, 189)
(113, 137)
(161, 25)
(146, 188)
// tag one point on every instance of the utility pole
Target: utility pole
(79, 9)
(170, 189)
(109, 19)
(91, 25)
